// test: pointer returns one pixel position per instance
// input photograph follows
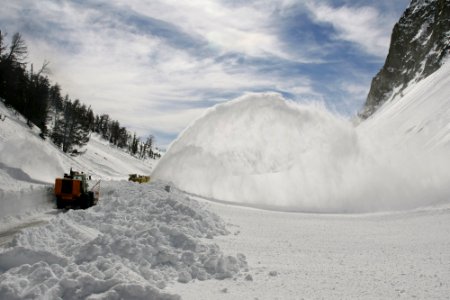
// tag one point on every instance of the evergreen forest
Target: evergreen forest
(67, 122)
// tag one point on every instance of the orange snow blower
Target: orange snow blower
(73, 191)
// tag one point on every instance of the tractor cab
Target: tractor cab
(82, 178)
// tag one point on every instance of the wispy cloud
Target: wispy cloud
(366, 26)
(243, 29)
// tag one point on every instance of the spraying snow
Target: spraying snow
(265, 151)
(32, 161)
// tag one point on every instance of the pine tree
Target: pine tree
(55, 103)
(114, 130)
(134, 145)
(90, 119)
(104, 124)
(122, 140)
(72, 126)
(149, 143)
(36, 101)
(13, 78)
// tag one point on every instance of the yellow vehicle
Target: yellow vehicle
(139, 178)
(73, 191)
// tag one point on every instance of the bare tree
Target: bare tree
(18, 49)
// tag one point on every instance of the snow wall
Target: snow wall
(264, 151)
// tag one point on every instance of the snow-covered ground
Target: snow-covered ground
(322, 256)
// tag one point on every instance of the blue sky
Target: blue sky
(157, 65)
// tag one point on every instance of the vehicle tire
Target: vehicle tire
(84, 201)
(87, 200)
(91, 198)
(59, 203)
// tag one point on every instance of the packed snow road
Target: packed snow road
(16, 225)
(6, 236)
(30, 207)
(314, 256)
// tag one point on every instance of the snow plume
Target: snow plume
(139, 238)
(17, 203)
(263, 151)
(29, 160)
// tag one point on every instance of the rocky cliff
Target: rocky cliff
(419, 44)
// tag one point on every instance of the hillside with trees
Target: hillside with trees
(67, 122)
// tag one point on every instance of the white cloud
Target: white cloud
(365, 26)
(129, 74)
(244, 29)
(355, 89)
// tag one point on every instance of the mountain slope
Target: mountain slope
(420, 118)
(29, 159)
(419, 46)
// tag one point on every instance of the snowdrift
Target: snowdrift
(129, 246)
(261, 150)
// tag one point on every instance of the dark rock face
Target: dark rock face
(419, 43)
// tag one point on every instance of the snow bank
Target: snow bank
(37, 197)
(139, 238)
(264, 151)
